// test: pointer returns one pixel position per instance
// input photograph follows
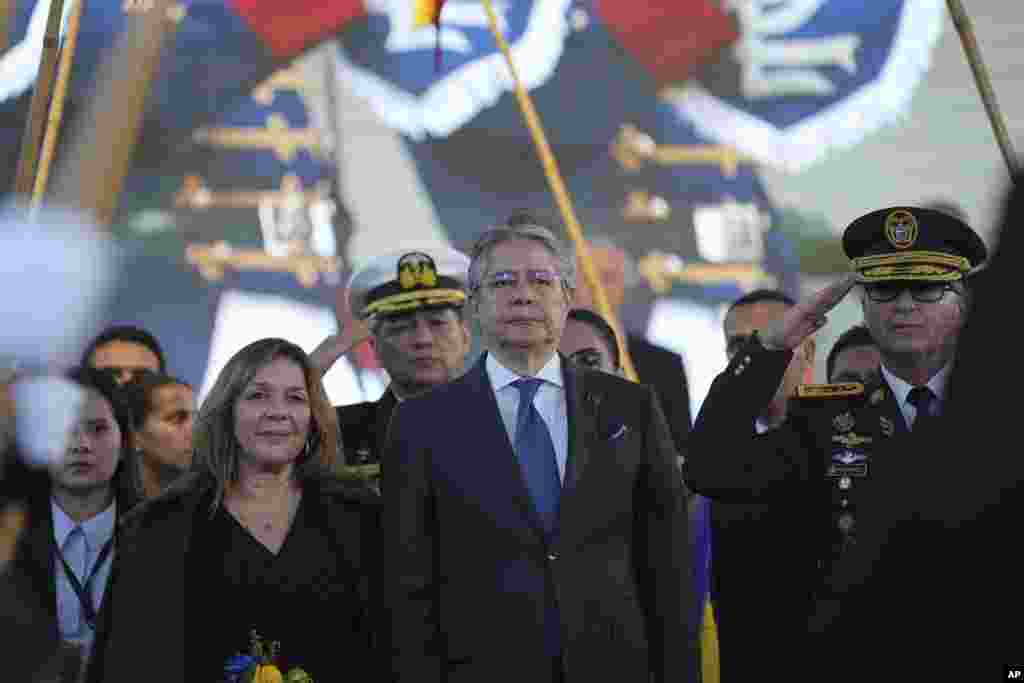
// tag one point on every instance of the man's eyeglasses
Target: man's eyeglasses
(922, 292)
(509, 279)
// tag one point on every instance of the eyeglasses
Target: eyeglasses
(509, 279)
(922, 292)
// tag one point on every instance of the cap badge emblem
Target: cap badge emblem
(416, 269)
(901, 229)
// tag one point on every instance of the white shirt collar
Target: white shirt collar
(501, 376)
(98, 530)
(901, 389)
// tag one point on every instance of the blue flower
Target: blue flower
(238, 665)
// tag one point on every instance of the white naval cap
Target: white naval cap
(406, 280)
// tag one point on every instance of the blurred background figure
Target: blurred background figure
(57, 257)
(163, 411)
(67, 554)
(854, 357)
(590, 342)
(124, 350)
(657, 366)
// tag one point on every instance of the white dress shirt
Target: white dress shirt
(901, 389)
(549, 402)
(81, 552)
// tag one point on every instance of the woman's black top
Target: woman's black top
(305, 597)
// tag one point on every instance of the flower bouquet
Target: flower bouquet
(259, 665)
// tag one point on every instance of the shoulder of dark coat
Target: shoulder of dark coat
(355, 414)
(186, 488)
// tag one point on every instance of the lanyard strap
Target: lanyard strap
(83, 590)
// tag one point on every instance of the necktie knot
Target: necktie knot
(528, 387)
(923, 399)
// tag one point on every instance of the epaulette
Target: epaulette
(837, 390)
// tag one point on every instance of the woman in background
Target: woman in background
(260, 542)
(163, 414)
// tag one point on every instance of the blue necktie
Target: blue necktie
(926, 403)
(536, 453)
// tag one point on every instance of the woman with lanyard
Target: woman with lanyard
(67, 555)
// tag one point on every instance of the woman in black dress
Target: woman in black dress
(260, 541)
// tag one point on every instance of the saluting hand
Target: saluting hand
(806, 317)
(326, 354)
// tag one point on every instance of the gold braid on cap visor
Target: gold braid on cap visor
(408, 301)
(934, 266)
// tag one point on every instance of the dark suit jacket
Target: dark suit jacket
(663, 370)
(771, 506)
(475, 571)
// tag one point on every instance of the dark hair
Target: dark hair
(760, 296)
(858, 335)
(138, 394)
(104, 385)
(126, 333)
(601, 326)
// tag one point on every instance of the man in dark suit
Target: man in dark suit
(536, 511)
(413, 301)
(910, 265)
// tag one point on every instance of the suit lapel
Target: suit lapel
(485, 418)
(580, 407)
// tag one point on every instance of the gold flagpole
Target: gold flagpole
(91, 174)
(981, 79)
(67, 60)
(6, 12)
(36, 123)
(562, 198)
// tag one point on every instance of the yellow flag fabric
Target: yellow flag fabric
(709, 645)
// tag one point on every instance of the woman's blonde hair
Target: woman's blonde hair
(216, 446)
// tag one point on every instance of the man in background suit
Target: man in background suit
(536, 511)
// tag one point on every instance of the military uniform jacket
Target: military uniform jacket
(729, 462)
(363, 428)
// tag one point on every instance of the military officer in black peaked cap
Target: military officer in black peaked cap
(910, 271)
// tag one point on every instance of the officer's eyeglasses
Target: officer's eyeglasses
(922, 292)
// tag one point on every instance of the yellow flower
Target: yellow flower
(267, 673)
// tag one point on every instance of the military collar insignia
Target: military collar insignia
(901, 229)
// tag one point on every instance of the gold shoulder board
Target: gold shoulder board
(830, 390)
